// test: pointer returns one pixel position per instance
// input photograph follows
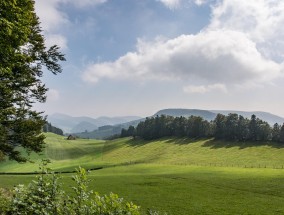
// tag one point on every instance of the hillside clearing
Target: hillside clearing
(68, 154)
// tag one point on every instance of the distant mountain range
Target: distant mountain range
(70, 124)
(103, 127)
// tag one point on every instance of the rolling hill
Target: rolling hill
(67, 154)
(176, 176)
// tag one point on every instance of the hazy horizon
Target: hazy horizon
(137, 57)
(151, 114)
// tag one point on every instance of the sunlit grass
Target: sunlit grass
(64, 155)
(177, 189)
(194, 152)
(177, 176)
(68, 154)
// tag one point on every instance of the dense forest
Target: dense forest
(50, 128)
(232, 127)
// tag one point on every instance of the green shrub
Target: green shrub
(43, 196)
(5, 201)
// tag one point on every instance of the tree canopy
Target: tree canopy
(232, 127)
(23, 57)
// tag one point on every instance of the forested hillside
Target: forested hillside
(232, 127)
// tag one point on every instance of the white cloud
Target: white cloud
(51, 17)
(211, 56)
(52, 39)
(261, 20)
(53, 95)
(172, 4)
(201, 2)
(242, 46)
(205, 89)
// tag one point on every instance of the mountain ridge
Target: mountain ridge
(104, 132)
(71, 124)
(103, 127)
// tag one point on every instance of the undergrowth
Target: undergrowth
(44, 196)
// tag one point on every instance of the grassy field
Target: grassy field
(177, 176)
(192, 152)
(64, 155)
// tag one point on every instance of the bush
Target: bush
(43, 196)
(5, 201)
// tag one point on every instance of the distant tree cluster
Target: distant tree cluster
(50, 128)
(232, 127)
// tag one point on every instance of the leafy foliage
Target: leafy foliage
(22, 58)
(232, 127)
(5, 201)
(45, 196)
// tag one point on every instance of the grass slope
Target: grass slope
(177, 176)
(191, 152)
(63, 154)
(183, 190)
(68, 154)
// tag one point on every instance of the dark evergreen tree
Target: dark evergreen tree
(243, 129)
(263, 131)
(49, 128)
(131, 131)
(220, 128)
(276, 132)
(197, 127)
(231, 127)
(281, 135)
(253, 128)
(124, 133)
(179, 124)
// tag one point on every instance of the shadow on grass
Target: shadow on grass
(212, 143)
(183, 140)
(137, 142)
(112, 145)
(216, 144)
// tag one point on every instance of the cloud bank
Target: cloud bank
(241, 46)
(205, 89)
(215, 56)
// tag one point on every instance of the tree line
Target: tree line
(50, 128)
(231, 127)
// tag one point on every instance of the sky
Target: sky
(135, 57)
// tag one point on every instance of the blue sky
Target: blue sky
(135, 57)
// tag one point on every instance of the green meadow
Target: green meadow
(177, 176)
